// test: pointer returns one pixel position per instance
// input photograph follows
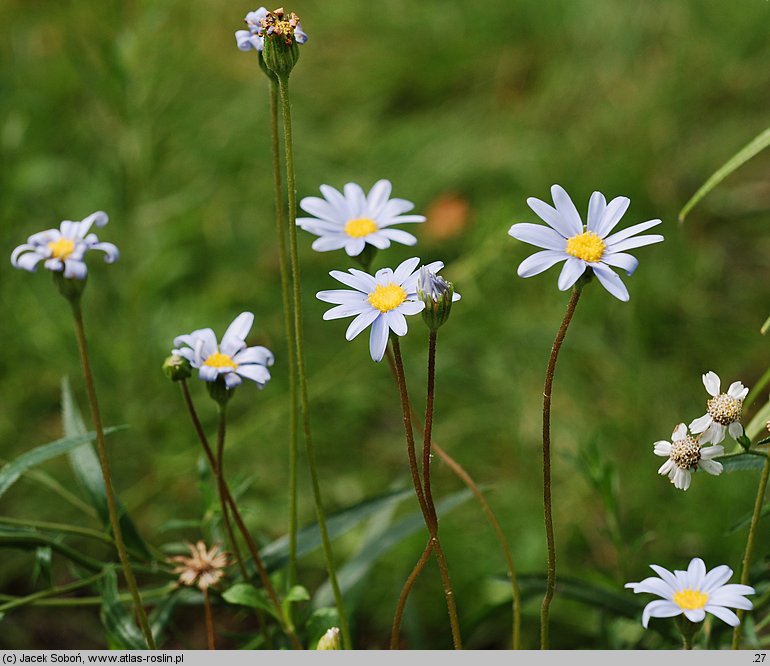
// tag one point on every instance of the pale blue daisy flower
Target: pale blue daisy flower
(381, 300)
(693, 593)
(253, 38)
(583, 247)
(63, 249)
(232, 359)
(351, 219)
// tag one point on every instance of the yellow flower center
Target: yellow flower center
(586, 246)
(62, 248)
(387, 297)
(690, 599)
(360, 227)
(219, 360)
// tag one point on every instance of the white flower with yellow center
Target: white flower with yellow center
(353, 219)
(232, 359)
(685, 456)
(381, 300)
(693, 593)
(723, 411)
(583, 247)
(63, 249)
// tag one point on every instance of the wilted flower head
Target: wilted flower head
(276, 35)
(724, 411)
(63, 249)
(380, 300)
(583, 247)
(693, 593)
(350, 219)
(685, 456)
(232, 359)
(330, 640)
(438, 295)
(203, 567)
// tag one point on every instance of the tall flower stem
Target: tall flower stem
(101, 446)
(280, 232)
(218, 468)
(251, 545)
(547, 510)
(210, 636)
(395, 631)
(748, 553)
(466, 478)
(429, 511)
(283, 87)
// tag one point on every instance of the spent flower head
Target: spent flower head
(693, 593)
(281, 34)
(351, 219)
(231, 360)
(381, 300)
(686, 456)
(723, 411)
(63, 250)
(253, 37)
(583, 247)
(438, 295)
(203, 567)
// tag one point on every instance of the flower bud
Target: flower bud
(437, 294)
(177, 368)
(282, 34)
(330, 640)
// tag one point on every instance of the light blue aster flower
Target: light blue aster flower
(254, 37)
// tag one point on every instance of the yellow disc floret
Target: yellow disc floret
(586, 246)
(387, 297)
(360, 227)
(219, 360)
(61, 248)
(689, 599)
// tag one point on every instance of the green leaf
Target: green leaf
(243, 594)
(745, 521)
(161, 616)
(88, 472)
(355, 570)
(297, 593)
(122, 631)
(11, 472)
(42, 568)
(276, 554)
(752, 148)
(739, 462)
(30, 539)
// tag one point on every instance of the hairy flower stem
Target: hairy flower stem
(547, 512)
(748, 553)
(280, 231)
(251, 545)
(283, 87)
(218, 468)
(101, 446)
(395, 631)
(426, 505)
(466, 478)
(210, 636)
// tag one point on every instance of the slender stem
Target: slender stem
(466, 478)
(104, 462)
(686, 642)
(218, 468)
(210, 636)
(50, 592)
(428, 510)
(298, 336)
(280, 231)
(155, 593)
(396, 629)
(547, 512)
(747, 555)
(58, 527)
(428, 430)
(250, 544)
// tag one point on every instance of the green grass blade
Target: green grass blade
(122, 632)
(754, 146)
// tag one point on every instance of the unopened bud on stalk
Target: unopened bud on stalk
(177, 368)
(330, 640)
(438, 295)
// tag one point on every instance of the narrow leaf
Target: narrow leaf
(759, 422)
(122, 631)
(243, 594)
(745, 521)
(740, 462)
(754, 146)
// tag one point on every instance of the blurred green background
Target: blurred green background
(148, 111)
